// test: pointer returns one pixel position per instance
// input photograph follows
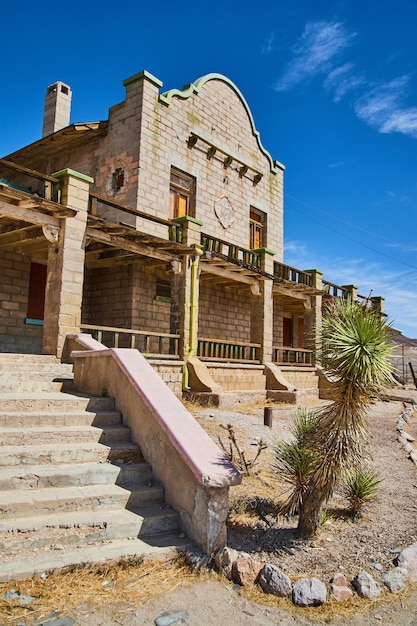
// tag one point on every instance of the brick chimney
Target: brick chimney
(57, 108)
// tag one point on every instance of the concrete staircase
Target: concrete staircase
(74, 488)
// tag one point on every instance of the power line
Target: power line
(347, 236)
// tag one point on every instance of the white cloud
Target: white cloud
(341, 80)
(314, 53)
(382, 108)
(268, 46)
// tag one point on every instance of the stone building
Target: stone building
(159, 228)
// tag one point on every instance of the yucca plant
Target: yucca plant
(294, 461)
(355, 352)
(360, 485)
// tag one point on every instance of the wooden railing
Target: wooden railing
(174, 230)
(292, 274)
(233, 351)
(334, 290)
(231, 251)
(283, 355)
(151, 344)
(30, 181)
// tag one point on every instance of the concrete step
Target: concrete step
(32, 386)
(25, 502)
(70, 434)
(30, 419)
(46, 560)
(68, 402)
(10, 363)
(158, 517)
(17, 477)
(60, 453)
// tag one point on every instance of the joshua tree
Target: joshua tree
(355, 353)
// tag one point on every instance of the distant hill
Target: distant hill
(400, 340)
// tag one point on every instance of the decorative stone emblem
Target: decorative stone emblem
(224, 211)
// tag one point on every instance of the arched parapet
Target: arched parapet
(195, 87)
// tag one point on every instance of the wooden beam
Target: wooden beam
(123, 244)
(20, 235)
(228, 274)
(28, 215)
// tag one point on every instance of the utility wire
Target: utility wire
(343, 234)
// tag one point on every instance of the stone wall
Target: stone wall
(15, 334)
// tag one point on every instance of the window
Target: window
(181, 194)
(257, 229)
(118, 179)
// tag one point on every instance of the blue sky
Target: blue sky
(332, 87)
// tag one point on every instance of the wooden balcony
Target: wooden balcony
(292, 274)
(230, 252)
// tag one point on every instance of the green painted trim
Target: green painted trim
(143, 75)
(69, 172)
(314, 270)
(186, 218)
(194, 88)
(163, 299)
(265, 251)
(34, 322)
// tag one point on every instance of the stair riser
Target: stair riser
(34, 387)
(70, 455)
(104, 501)
(102, 474)
(66, 404)
(129, 473)
(73, 436)
(31, 420)
(143, 496)
(167, 522)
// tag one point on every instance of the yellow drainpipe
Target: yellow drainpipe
(191, 348)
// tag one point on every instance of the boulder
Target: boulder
(309, 592)
(340, 589)
(272, 580)
(407, 559)
(395, 579)
(245, 570)
(366, 586)
(224, 559)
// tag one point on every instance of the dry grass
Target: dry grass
(116, 588)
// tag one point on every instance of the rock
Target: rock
(272, 580)
(196, 558)
(340, 589)
(309, 592)
(407, 559)
(245, 570)
(223, 560)
(171, 617)
(366, 586)
(16, 596)
(395, 579)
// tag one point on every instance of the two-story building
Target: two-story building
(159, 228)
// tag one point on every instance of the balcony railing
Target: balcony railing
(232, 351)
(334, 290)
(231, 251)
(97, 201)
(292, 274)
(283, 355)
(30, 181)
(151, 344)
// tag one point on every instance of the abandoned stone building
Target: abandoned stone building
(145, 249)
(171, 239)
